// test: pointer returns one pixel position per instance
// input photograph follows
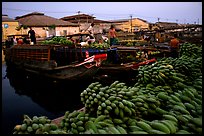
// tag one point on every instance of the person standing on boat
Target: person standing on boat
(31, 33)
(91, 30)
(174, 44)
(91, 37)
(112, 35)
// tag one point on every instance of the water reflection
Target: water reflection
(53, 96)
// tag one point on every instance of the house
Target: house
(85, 20)
(165, 30)
(131, 25)
(46, 26)
(166, 25)
(8, 27)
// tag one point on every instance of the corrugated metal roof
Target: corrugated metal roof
(166, 24)
(126, 20)
(40, 20)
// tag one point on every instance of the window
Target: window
(65, 32)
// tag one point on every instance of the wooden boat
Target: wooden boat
(124, 72)
(58, 62)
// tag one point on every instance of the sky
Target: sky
(178, 12)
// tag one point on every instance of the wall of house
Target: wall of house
(69, 30)
(39, 32)
(136, 24)
(42, 32)
(11, 30)
(98, 28)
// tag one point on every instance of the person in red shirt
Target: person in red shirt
(174, 44)
(19, 41)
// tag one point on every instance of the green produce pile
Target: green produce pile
(37, 125)
(166, 99)
(58, 40)
(130, 43)
(95, 45)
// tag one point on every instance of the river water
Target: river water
(34, 96)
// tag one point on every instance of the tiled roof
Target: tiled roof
(83, 18)
(77, 16)
(41, 20)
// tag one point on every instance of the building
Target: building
(166, 25)
(85, 20)
(9, 26)
(131, 25)
(46, 26)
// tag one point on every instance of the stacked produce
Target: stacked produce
(58, 40)
(191, 50)
(37, 125)
(133, 42)
(95, 45)
(154, 52)
(166, 99)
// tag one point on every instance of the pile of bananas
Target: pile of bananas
(73, 123)
(37, 125)
(190, 50)
(164, 100)
(154, 52)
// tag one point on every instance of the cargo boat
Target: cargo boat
(54, 61)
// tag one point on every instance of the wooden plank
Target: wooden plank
(48, 58)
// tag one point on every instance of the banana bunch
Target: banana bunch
(154, 52)
(91, 98)
(74, 122)
(130, 44)
(158, 74)
(110, 100)
(103, 125)
(190, 50)
(189, 102)
(145, 105)
(37, 125)
(164, 126)
(191, 67)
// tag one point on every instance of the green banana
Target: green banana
(146, 127)
(170, 125)
(121, 130)
(170, 117)
(154, 131)
(161, 127)
(160, 111)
